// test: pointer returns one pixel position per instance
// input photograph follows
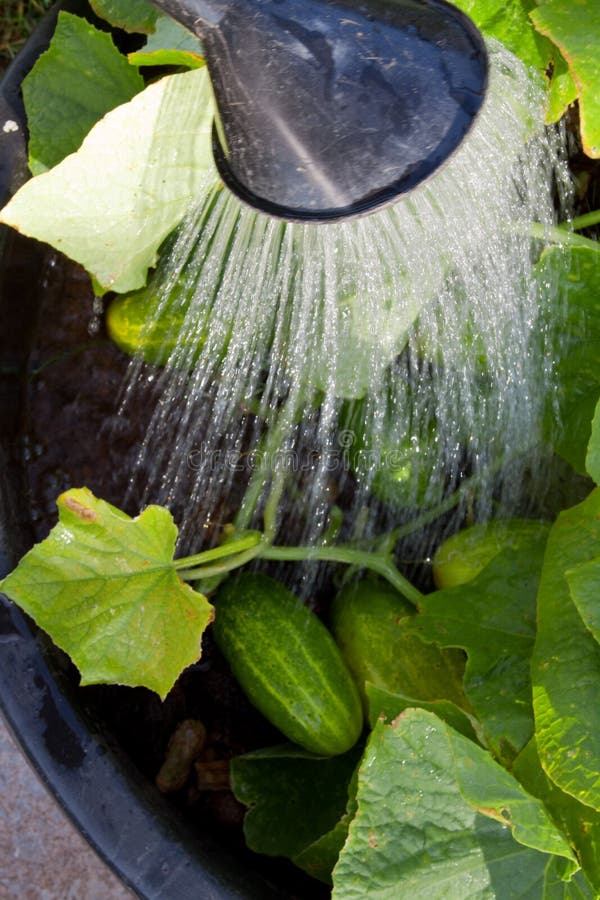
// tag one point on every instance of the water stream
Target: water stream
(388, 357)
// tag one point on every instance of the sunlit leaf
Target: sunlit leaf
(566, 661)
(579, 823)
(170, 45)
(130, 184)
(438, 819)
(105, 589)
(574, 26)
(509, 22)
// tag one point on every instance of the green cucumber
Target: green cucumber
(287, 663)
(464, 555)
(132, 323)
(368, 620)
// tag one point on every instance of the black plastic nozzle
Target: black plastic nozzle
(332, 108)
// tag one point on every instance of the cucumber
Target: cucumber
(132, 323)
(464, 555)
(287, 663)
(367, 620)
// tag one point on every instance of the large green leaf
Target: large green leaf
(439, 819)
(492, 618)
(130, 15)
(509, 22)
(77, 81)
(295, 797)
(104, 587)
(566, 661)
(574, 26)
(130, 184)
(580, 823)
(584, 587)
(592, 459)
(572, 279)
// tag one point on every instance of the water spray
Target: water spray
(330, 109)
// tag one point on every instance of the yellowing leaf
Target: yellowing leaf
(104, 587)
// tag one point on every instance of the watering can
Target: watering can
(330, 109)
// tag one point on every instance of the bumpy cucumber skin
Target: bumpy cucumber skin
(288, 664)
(367, 622)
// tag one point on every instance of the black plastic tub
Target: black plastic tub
(141, 836)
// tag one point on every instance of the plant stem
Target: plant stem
(557, 234)
(375, 562)
(246, 542)
(234, 562)
(585, 221)
(270, 446)
(272, 506)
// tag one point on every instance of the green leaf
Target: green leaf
(592, 459)
(319, 858)
(571, 278)
(110, 205)
(104, 587)
(433, 811)
(509, 22)
(295, 797)
(557, 887)
(575, 28)
(130, 15)
(563, 90)
(493, 619)
(584, 586)
(579, 823)
(170, 45)
(74, 84)
(384, 704)
(566, 661)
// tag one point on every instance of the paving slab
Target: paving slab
(42, 855)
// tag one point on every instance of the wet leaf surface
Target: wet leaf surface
(566, 661)
(580, 823)
(438, 818)
(104, 587)
(492, 618)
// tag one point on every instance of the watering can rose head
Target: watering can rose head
(359, 102)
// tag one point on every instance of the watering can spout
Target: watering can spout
(328, 109)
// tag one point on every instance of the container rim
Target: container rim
(124, 818)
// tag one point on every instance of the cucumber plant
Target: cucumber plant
(483, 695)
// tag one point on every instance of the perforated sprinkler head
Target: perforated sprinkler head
(330, 109)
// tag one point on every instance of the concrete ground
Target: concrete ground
(42, 855)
